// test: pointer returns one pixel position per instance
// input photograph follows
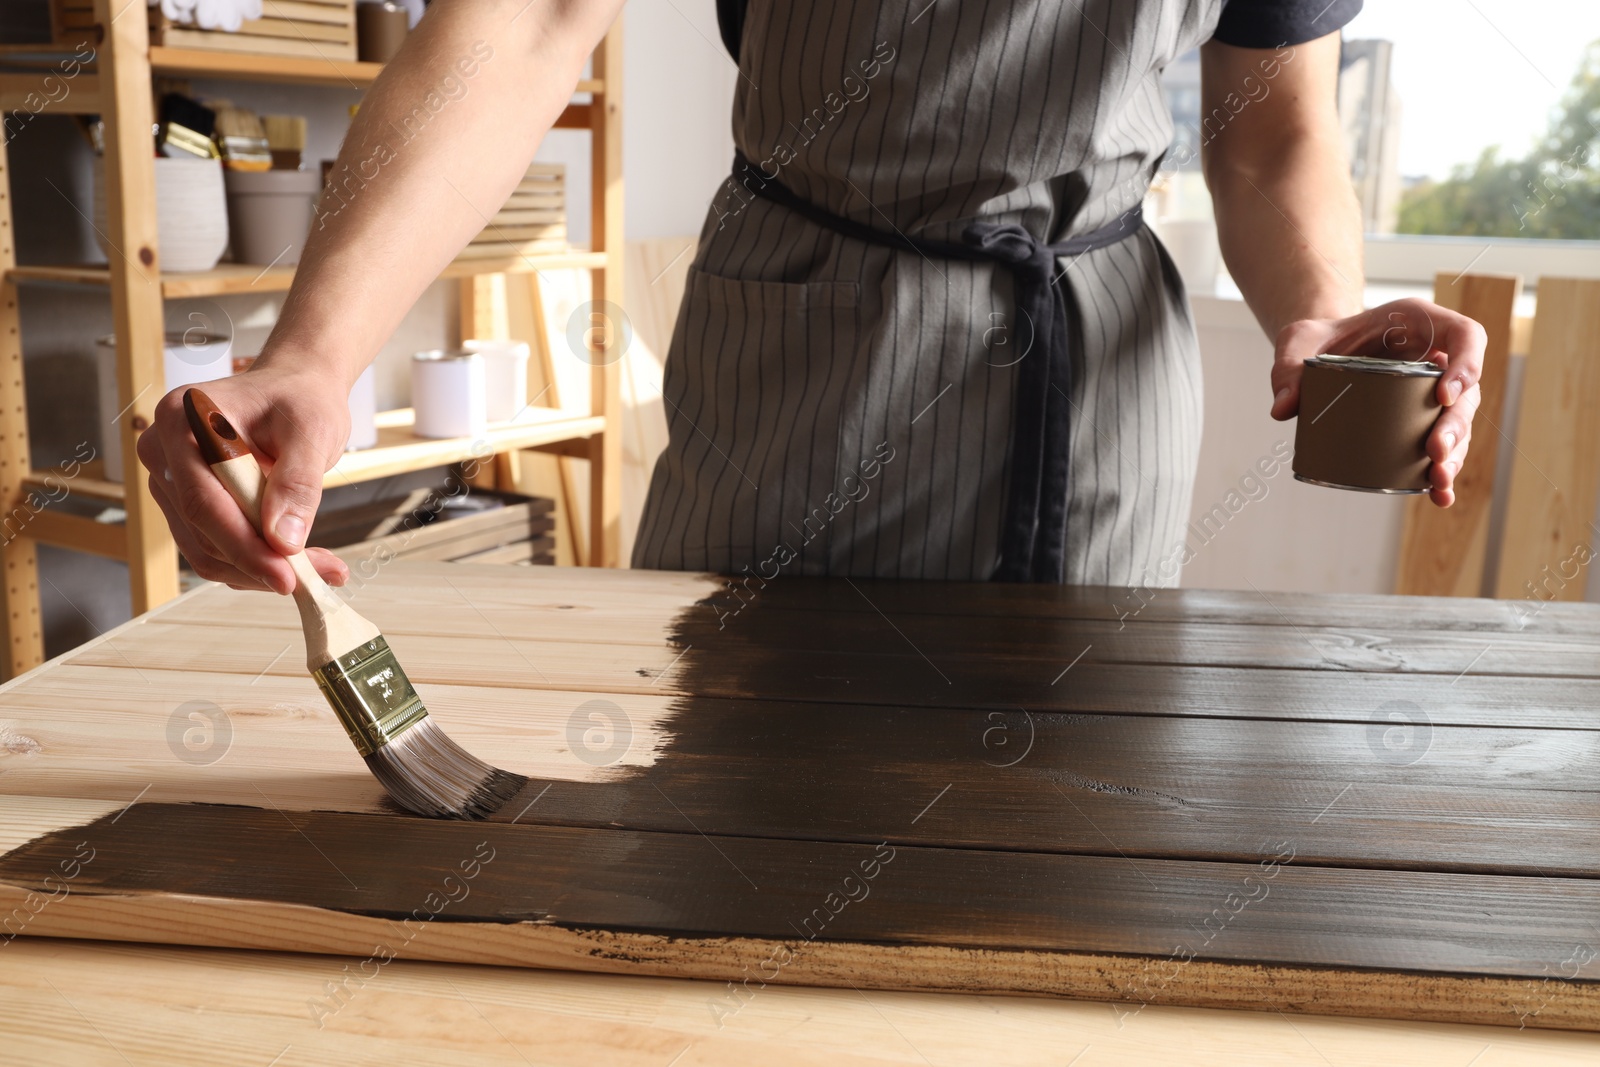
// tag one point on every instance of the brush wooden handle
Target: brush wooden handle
(331, 626)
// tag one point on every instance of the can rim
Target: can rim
(1372, 365)
(441, 354)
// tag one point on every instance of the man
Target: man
(925, 333)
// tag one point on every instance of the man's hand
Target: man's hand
(1404, 329)
(297, 423)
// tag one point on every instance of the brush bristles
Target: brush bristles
(427, 773)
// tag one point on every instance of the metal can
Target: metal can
(1364, 423)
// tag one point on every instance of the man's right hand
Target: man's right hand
(297, 423)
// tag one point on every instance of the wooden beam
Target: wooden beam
(1555, 477)
(80, 533)
(606, 344)
(575, 117)
(19, 621)
(483, 308)
(48, 92)
(1443, 550)
(135, 274)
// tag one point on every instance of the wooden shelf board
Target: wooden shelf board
(399, 451)
(48, 483)
(53, 527)
(227, 278)
(236, 66)
(246, 66)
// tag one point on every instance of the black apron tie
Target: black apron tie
(1033, 537)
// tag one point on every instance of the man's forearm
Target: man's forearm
(1291, 232)
(437, 146)
(1274, 159)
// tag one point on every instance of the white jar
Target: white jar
(505, 377)
(191, 213)
(363, 412)
(447, 394)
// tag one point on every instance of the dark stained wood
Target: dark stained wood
(1054, 782)
(1273, 909)
(1230, 607)
(1352, 795)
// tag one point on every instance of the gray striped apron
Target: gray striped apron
(836, 406)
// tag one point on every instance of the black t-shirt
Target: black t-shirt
(1244, 23)
(1275, 23)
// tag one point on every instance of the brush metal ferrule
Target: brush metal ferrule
(371, 695)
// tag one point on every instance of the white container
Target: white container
(447, 394)
(363, 412)
(505, 377)
(269, 214)
(188, 358)
(191, 214)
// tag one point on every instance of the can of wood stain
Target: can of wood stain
(1364, 423)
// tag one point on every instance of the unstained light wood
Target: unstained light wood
(1443, 550)
(1555, 481)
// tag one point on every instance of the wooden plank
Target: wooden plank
(1451, 877)
(50, 92)
(277, 47)
(310, 11)
(524, 217)
(498, 249)
(20, 624)
(1004, 934)
(398, 451)
(135, 282)
(188, 1006)
(1555, 478)
(80, 533)
(1127, 606)
(172, 59)
(1443, 550)
(606, 235)
(498, 232)
(539, 550)
(83, 485)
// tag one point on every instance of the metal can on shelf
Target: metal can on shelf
(447, 394)
(1364, 423)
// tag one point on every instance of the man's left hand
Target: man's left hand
(1411, 329)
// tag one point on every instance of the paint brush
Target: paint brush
(423, 770)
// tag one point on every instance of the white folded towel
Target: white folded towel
(227, 15)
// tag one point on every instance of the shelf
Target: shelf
(230, 278)
(48, 483)
(398, 451)
(235, 66)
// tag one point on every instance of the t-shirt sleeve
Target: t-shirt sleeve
(1275, 23)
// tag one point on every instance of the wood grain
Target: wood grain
(1443, 550)
(701, 789)
(1555, 480)
(195, 1006)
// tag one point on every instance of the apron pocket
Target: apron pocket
(754, 387)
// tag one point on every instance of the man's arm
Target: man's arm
(440, 141)
(1290, 229)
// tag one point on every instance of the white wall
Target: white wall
(1295, 537)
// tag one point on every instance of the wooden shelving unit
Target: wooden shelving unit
(118, 88)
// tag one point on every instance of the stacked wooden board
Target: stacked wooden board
(1338, 805)
(486, 527)
(324, 29)
(533, 219)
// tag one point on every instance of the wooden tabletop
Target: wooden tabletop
(1292, 804)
